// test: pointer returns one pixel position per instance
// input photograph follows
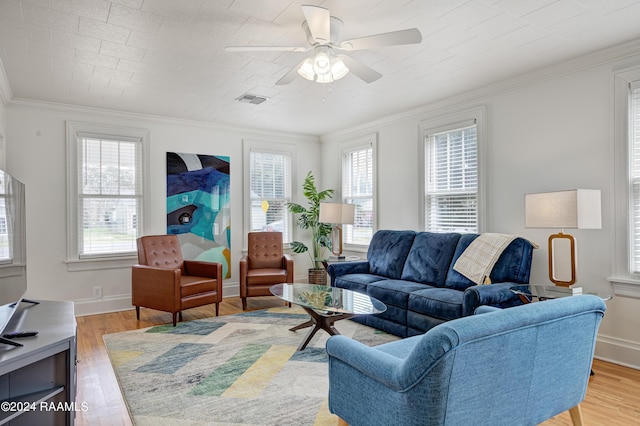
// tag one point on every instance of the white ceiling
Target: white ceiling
(167, 58)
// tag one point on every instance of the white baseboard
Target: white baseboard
(102, 306)
(618, 351)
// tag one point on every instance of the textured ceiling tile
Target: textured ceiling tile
(10, 10)
(101, 30)
(554, 13)
(134, 19)
(121, 51)
(80, 43)
(112, 74)
(469, 15)
(47, 17)
(96, 59)
(520, 8)
(95, 9)
(133, 4)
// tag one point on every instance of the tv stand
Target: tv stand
(41, 372)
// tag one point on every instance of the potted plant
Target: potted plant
(310, 219)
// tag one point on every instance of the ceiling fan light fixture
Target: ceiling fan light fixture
(306, 70)
(322, 60)
(338, 69)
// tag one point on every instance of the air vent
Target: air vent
(252, 99)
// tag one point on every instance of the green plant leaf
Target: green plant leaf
(298, 247)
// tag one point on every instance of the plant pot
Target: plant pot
(318, 276)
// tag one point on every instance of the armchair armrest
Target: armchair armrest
(288, 264)
(203, 269)
(497, 294)
(158, 286)
(344, 268)
(379, 366)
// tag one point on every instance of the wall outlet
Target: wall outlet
(97, 292)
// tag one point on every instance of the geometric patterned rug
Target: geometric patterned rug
(240, 369)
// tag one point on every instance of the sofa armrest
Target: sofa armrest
(377, 365)
(339, 269)
(497, 294)
(157, 288)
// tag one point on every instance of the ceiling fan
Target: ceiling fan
(324, 37)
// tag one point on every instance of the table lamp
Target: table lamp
(576, 209)
(337, 214)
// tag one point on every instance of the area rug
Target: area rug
(229, 370)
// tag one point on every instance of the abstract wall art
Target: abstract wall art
(198, 206)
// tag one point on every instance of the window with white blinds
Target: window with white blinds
(270, 191)
(358, 189)
(451, 179)
(109, 191)
(634, 168)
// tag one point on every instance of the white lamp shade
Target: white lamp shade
(337, 213)
(576, 208)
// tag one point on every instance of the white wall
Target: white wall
(36, 149)
(549, 133)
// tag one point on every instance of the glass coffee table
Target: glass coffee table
(326, 305)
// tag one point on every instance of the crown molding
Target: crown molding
(616, 53)
(5, 89)
(102, 113)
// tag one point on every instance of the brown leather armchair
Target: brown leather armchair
(264, 265)
(163, 280)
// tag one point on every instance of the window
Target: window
(626, 260)
(634, 178)
(358, 188)
(106, 188)
(451, 195)
(269, 188)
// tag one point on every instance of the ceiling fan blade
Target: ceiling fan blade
(265, 49)
(319, 22)
(394, 38)
(360, 70)
(290, 75)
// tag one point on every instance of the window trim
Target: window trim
(249, 145)
(624, 282)
(74, 129)
(449, 122)
(346, 147)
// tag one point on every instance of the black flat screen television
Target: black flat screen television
(13, 255)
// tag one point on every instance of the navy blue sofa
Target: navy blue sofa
(412, 274)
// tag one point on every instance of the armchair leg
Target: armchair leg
(576, 416)
(244, 303)
(217, 308)
(175, 315)
(342, 422)
(138, 313)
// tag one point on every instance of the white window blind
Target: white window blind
(109, 195)
(5, 244)
(451, 180)
(270, 185)
(357, 188)
(634, 136)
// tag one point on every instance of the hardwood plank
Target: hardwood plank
(613, 396)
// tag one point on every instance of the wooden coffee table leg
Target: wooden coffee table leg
(319, 322)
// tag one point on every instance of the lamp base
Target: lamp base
(560, 238)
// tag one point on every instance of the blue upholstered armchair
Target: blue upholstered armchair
(515, 366)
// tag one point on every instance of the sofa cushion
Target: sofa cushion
(388, 251)
(429, 258)
(443, 303)
(357, 282)
(394, 292)
(513, 265)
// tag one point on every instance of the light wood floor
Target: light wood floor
(613, 397)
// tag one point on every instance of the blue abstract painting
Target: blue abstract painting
(198, 206)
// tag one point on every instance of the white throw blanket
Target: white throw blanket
(478, 259)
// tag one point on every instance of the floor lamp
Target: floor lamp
(576, 209)
(337, 214)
